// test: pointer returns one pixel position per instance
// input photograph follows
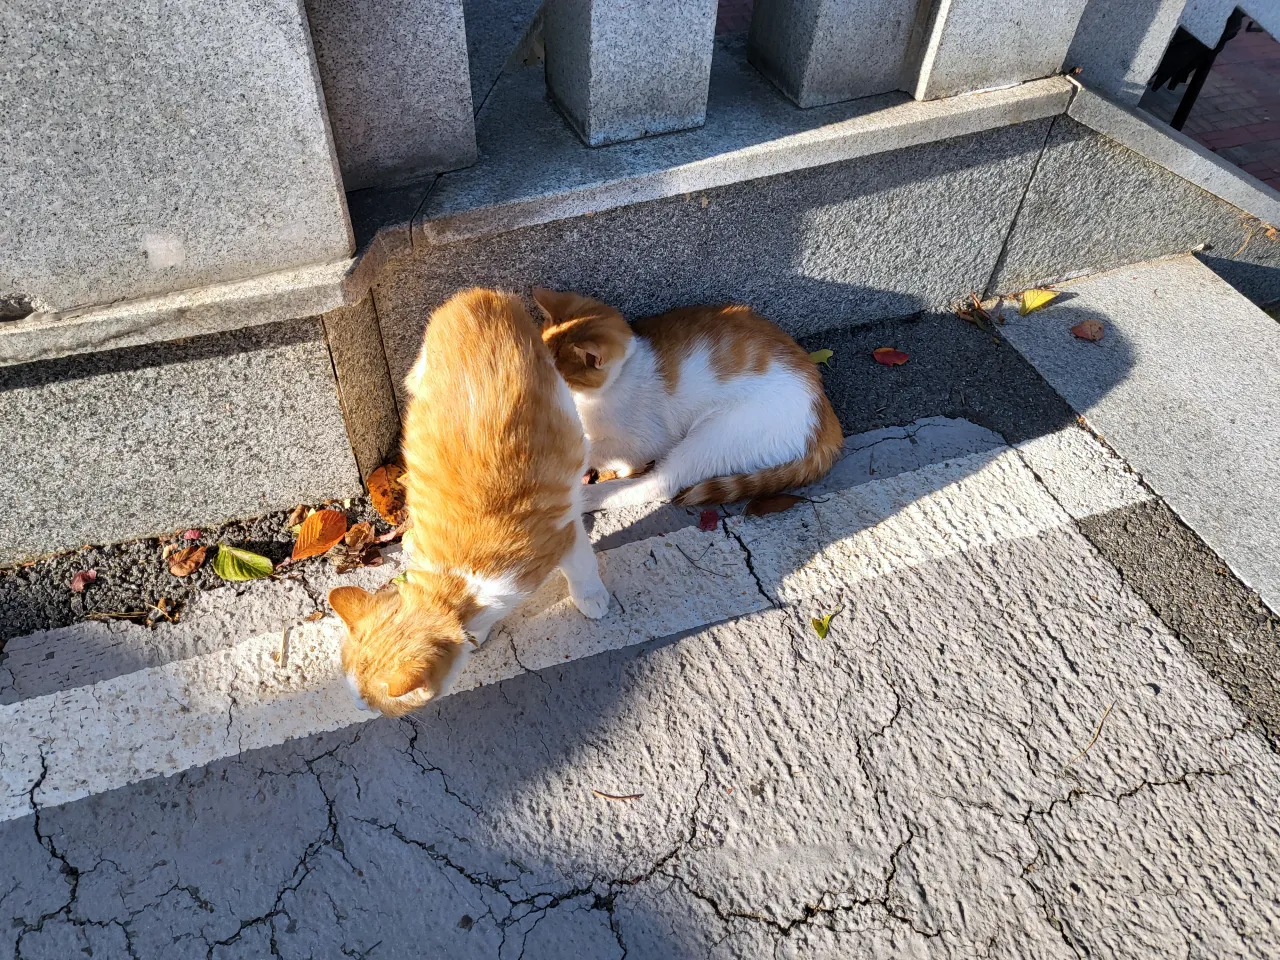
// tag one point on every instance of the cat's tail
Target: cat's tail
(823, 451)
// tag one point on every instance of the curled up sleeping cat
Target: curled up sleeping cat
(727, 404)
(494, 455)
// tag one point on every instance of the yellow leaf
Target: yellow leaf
(822, 356)
(1035, 299)
(823, 624)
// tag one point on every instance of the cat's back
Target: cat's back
(485, 343)
(722, 345)
(488, 416)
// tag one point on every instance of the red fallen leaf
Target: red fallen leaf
(708, 520)
(1088, 330)
(82, 580)
(759, 506)
(192, 534)
(187, 561)
(387, 493)
(889, 356)
(319, 533)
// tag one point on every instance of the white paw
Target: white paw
(594, 603)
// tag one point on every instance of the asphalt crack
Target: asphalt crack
(751, 568)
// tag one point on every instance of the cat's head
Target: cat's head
(397, 656)
(587, 338)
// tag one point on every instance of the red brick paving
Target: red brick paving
(1237, 114)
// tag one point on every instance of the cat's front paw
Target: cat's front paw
(593, 603)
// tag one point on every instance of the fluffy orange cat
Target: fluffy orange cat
(494, 454)
(724, 401)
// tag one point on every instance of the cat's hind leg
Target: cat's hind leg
(582, 572)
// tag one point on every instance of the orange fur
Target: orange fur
(586, 337)
(493, 451)
(743, 342)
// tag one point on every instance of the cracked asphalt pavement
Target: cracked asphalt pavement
(1043, 724)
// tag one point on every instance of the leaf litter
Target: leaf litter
(779, 502)
(889, 356)
(237, 565)
(320, 532)
(359, 548)
(1035, 298)
(822, 625)
(186, 561)
(386, 492)
(1091, 330)
(978, 315)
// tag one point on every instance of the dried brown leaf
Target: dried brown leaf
(759, 506)
(392, 535)
(319, 533)
(387, 493)
(187, 561)
(359, 537)
(1088, 330)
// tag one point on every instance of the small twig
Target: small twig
(117, 615)
(694, 563)
(284, 648)
(1097, 733)
(613, 796)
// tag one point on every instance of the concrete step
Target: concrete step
(1185, 385)
(822, 219)
(996, 742)
(92, 705)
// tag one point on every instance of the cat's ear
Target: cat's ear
(589, 353)
(351, 604)
(553, 304)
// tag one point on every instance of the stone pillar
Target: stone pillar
(397, 86)
(977, 44)
(825, 51)
(1118, 44)
(625, 69)
(157, 147)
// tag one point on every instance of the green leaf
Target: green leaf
(401, 578)
(822, 356)
(232, 563)
(823, 624)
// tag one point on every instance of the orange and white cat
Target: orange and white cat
(724, 401)
(494, 455)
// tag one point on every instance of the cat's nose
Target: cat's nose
(354, 686)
